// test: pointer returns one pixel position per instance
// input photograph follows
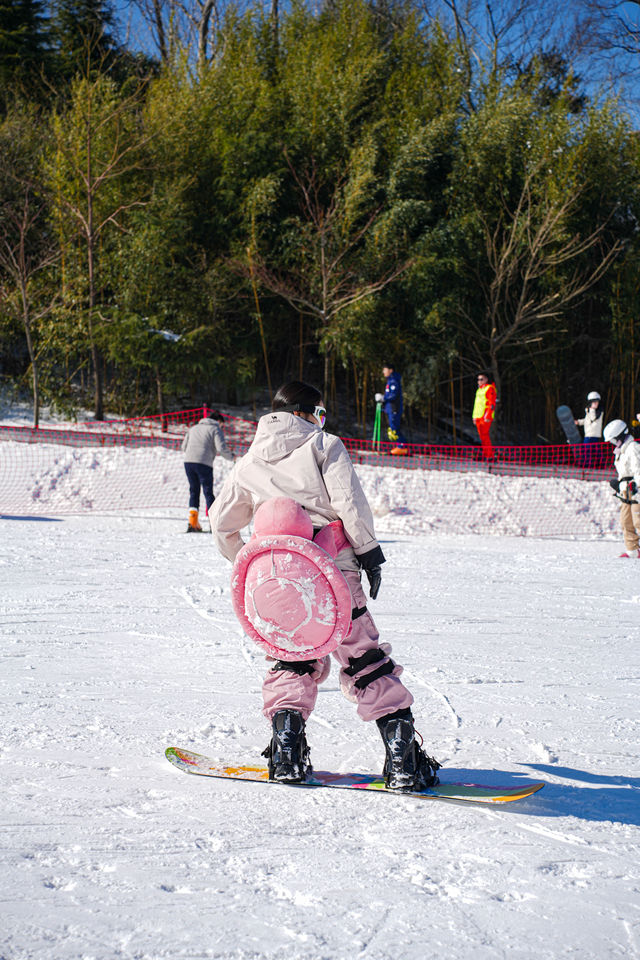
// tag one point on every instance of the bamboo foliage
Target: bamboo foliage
(308, 192)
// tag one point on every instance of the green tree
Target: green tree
(28, 247)
(84, 36)
(520, 255)
(25, 47)
(95, 177)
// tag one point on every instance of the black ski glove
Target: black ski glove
(370, 562)
(374, 576)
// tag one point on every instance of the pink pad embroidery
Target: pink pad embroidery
(287, 592)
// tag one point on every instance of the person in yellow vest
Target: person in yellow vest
(484, 409)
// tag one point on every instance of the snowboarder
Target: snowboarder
(202, 442)
(627, 485)
(392, 408)
(592, 422)
(593, 418)
(292, 457)
(484, 408)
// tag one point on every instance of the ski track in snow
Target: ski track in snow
(118, 639)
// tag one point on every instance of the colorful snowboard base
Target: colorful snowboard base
(195, 763)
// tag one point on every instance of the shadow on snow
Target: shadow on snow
(590, 796)
(5, 516)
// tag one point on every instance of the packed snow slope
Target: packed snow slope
(118, 639)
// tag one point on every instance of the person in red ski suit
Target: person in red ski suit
(484, 409)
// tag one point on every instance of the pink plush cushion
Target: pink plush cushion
(282, 515)
(287, 592)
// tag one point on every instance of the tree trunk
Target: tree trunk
(365, 380)
(301, 347)
(260, 325)
(495, 376)
(95, 353)
(26, 320)
(160, 395)
(203, 31)
(325, 300)
(453, 403)
(325, 389)
(159, 25)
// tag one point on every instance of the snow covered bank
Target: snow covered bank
(38, 479)
(118, 639)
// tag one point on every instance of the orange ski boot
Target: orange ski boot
(194, 523)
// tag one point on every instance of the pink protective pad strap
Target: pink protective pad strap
(332, 538)
(290, 597)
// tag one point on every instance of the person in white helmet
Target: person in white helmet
(592, 422)
(627, 486)
(593, 418)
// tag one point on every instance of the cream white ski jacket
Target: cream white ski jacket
(627, 460)
(291, 457)
(592, 422)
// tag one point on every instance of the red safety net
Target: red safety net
(116, 466)
(106, 466)
(580, 461)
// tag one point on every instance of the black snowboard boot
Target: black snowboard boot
(407, 767)
(288, 753)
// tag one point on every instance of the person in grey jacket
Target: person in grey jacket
(202, 443)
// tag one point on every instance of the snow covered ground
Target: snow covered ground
(118, 639)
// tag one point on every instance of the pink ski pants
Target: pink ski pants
(283, 689)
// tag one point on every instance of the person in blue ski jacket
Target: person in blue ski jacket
(392, 408)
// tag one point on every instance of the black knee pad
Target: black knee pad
(375, 655)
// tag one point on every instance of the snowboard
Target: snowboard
(195, 763)
(571, 432)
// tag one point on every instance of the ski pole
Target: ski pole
(376, 426)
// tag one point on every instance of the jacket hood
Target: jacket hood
(623, 446)
(280, 433)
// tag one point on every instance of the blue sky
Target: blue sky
(595, 73)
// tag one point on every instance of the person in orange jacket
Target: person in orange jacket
(484, 409)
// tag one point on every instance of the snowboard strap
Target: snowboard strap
(357, 612)
(298, 666)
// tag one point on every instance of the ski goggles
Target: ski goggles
(320, 413)
(321, 416)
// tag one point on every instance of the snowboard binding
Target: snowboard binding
(407, 768)
(288, 752)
